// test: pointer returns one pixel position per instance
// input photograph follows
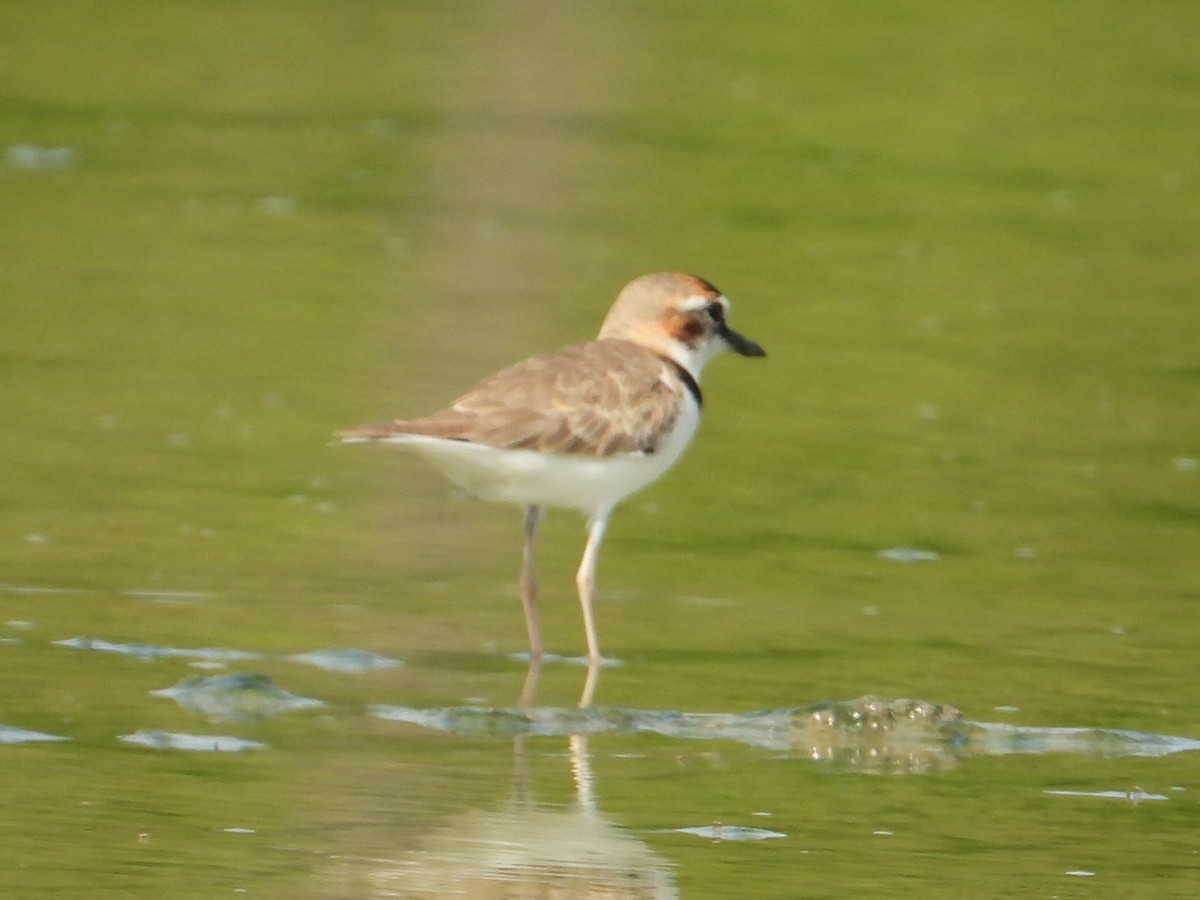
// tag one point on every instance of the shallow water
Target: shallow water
(238, 659)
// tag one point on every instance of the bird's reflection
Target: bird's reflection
(590, 682)
(526, 849)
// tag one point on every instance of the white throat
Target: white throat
(694, 358)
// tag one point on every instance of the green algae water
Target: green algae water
(236, 659)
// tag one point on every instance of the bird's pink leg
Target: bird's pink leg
(585, 581)
(529, 585)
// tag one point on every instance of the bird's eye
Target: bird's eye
(716, 312)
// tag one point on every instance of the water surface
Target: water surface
(966, 475)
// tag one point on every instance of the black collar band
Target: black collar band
(688, 381)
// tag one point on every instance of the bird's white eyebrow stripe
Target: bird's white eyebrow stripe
(700, 301)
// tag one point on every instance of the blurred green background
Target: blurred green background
(965, 234)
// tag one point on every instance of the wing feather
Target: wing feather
(597, 399)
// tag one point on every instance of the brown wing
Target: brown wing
(594, 399)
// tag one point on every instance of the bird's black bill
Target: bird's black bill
(742, 345)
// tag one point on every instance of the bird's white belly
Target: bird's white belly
(527, 477)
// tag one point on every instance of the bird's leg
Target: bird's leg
(529, 688)
(529, 585)
(589, 685)
(585, 581)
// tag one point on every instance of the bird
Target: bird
(582, 427)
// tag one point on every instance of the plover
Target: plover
(585, 426)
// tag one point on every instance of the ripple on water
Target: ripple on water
(346, 660)
(236, 697)
(150, 651)
(721, 832)
(10, 734)
(212, 743)
(866, 734)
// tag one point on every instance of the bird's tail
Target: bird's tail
(364, 433)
